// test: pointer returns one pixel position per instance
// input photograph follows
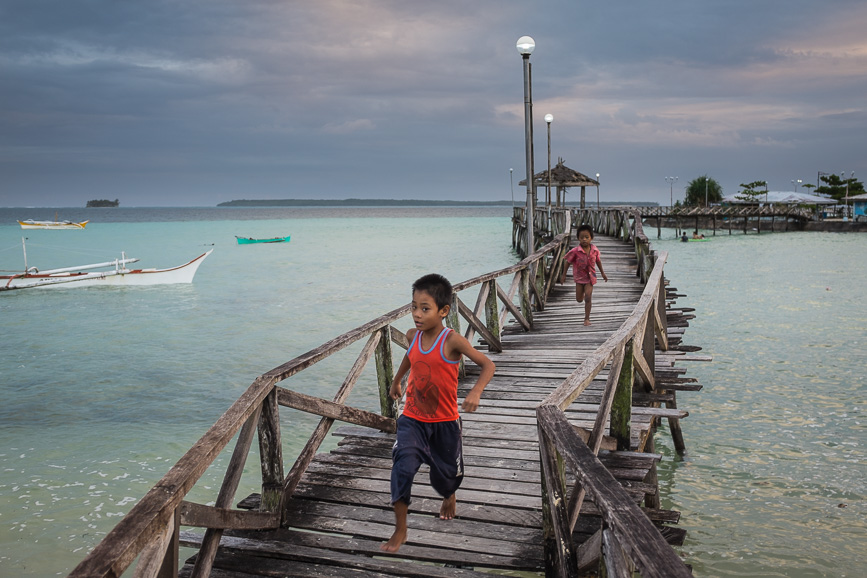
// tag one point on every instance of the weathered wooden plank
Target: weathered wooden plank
(334, 411)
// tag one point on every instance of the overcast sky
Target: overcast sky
(194, 102)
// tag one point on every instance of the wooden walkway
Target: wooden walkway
(340, 513)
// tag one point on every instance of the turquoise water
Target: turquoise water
(105, 388)
(775, 475)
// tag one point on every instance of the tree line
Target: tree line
(704, 190)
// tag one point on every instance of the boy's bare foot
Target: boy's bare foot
(396, 541)
(449, 507)
(586, 322)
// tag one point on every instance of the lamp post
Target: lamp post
(795, 183)
(671, 181)
(525, 46)
(512, 187)
(705, 191)
(548, 119)
(597, 191)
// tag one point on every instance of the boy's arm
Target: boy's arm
(394, 391)
(599, 263)
(563, 274)
(567, 262)
(458, 344)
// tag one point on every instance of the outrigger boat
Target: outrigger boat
(248, 240)
(31, 224)
(33, 278)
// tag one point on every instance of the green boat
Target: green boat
(249, 241)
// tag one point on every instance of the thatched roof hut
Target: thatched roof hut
(562, 177)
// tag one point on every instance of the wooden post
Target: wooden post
(560, 553)
(385, 373)
(674, 425)
(621, 409)
(271, 453)
(453, 322)
(648, 346)
(526, 305)
(652, 500)
(211, 539)
(492, 312)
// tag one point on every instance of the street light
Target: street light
(525, 46)
(512, 187)
(795, 183)
(597, 191)
(548, 119)
(671, 181)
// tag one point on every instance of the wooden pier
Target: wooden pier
(745, 218)
(560, 469)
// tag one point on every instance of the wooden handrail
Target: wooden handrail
(634, 531)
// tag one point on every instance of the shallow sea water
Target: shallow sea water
(105, 388)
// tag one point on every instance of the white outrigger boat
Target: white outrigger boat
(33, 278)
(31, 224)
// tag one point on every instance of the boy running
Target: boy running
(584, 258)
(429, 429)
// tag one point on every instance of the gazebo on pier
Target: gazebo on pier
(562, 177)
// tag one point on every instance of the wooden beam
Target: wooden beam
(335, 411)
(153, 558)
(507, 298)
(201, 516)
(493, 343)
(511, 308)
(477, 310)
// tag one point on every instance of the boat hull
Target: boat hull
(249, 241)
(175, 275)
(52, 224)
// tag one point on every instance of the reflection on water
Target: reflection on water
(775, 476)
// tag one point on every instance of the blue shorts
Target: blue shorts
(438, 445)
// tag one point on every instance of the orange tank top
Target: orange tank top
(432, 391)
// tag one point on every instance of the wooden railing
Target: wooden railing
(548, 222)
(150, 531)
(628, 539)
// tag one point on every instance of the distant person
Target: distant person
(429, 429)
(684, 238)
(695, 235)
(584, 259)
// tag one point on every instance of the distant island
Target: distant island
(102, 203)
(379, 203)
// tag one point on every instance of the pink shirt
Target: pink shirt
(584, 265)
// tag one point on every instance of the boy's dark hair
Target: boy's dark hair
(437, 286)
(587, 228)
